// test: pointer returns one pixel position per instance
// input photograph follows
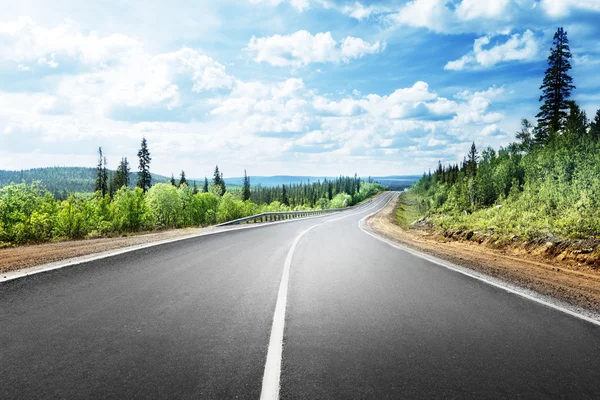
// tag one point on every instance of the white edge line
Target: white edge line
(450, 266)
(38, 269)
(271, 381)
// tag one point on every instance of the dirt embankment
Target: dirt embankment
(564, 271)
(14, 258)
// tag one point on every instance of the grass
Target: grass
(407, 209)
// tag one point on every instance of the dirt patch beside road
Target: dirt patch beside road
(577, 285)
(15, 258)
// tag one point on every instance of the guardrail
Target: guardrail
(280, 216)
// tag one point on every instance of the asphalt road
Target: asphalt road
(192, 319)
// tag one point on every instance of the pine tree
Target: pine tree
(144, 177)
(121, 177)
(472, 161)
(205, 187)
(284, 196)
(195, 190)
(172, 180)
(576, 123)
(556, 90)
(104, 178)
(217, 177)
(246, 189)
(182, 180)
(223, 187)
(595, 127)
(101, 174)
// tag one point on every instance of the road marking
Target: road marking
(9, 276)
(271, 381)
(461, 270)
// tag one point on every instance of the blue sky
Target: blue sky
(298, 87)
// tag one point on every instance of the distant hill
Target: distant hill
(395, 181)
(61, 180)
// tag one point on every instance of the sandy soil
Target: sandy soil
(565, 281)
(12, 259)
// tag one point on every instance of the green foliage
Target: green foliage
(29, 213)
(164, 205)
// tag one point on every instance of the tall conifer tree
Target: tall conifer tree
(556, 90)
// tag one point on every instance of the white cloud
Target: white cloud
(24, 41)
(302, 48)
(300, 5)
(519, 47)
(560, 8)
(360, 12)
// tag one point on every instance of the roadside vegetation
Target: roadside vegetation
(547, 183)
(29, 213)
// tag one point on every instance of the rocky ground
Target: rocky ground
(562, 269)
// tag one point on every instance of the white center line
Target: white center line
(272, 374)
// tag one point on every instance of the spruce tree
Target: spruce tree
(195, 190)
(144, 177)
(472, 162)
(217, 177)
(121, 177)
(104, 178)
(101, 184)
(595, 127)
(182, 180)
(172, 180)
(556, 90)
(284, 196)
(576, 123)
(205, 187)
(246, 189)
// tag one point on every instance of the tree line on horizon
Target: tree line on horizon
(29, 213)
(547, 182)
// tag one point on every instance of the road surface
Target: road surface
(194, 319)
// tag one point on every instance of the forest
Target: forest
(546, 183)
(30, 213)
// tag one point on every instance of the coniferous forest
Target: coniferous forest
(124, 202)
(547, 182)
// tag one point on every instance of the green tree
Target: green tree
(595, 127)
(164, 204)
(144, 177)
(182, 180)
(525, 137)
(246, 189)
(205, 187)
(101, 174)
(129, 209)
(556, 89)
(121, 176)
(218, 180)
(172, 180)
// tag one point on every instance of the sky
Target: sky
(279, 87)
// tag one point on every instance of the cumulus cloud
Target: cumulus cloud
(558, 8)
(519, 47)
(25, 42)
(476, 16)
(302, 48)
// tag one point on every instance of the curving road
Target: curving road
(197, 319)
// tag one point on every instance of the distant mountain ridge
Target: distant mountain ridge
(278, 180)
(61, 180)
